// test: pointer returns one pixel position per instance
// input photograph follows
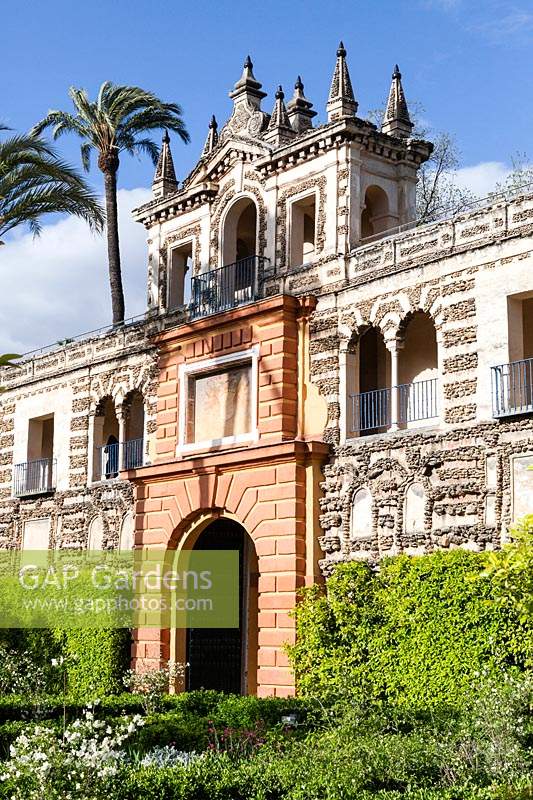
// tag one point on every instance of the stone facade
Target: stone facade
(68, 383)
(372, 403)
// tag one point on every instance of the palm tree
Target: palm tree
(117, 121)
(34, 182)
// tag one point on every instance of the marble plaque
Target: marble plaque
(221, 404)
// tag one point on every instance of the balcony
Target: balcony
(119, 456)
(383, 409)
(227, 287)
(512, 388)
(34, 477)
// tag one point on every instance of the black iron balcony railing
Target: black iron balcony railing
(512, 388)
(34, 477)
(418, 400)
(371, 410)
(374, 411)
(117, 456)
(227, 287)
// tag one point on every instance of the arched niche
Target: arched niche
(127, 530)
(239, 231)
(414, 508)
(95, 534)
(361, 521)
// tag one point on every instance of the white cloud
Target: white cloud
(516, 24)
(482, 178)
(57, 285)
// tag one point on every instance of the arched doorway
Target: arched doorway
(106, 441)
(225, 659)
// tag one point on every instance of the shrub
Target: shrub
(151, 685)
(418, 633)
(78, 762)
(184, 731)
(96, 661)
(511, 570)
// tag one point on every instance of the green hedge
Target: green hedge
(96, 661)
(184, 719)
(220, 708)
(418, 633)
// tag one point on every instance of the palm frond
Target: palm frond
(149, 147)
(85, 150)
(35, 182)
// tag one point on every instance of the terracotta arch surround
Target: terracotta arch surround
(269, 485)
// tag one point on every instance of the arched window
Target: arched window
(418, 370)
(302, 230)
(369, 406)
(180, 264)
(361, 526)
(133, 445)
(106, 441)
(239, 240)
(375, 214)
(414, 508)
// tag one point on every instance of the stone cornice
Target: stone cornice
(175, 204)
(318, 140)
(247, 457)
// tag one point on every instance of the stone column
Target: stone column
(121, 417)
(394, 347)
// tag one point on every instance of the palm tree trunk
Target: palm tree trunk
(113, 250)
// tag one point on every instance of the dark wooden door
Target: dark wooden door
(215, 655)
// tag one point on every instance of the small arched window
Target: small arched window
(375, 213)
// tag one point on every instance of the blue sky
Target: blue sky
(468, 62)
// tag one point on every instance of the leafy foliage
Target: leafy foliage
(96, 661)
(116, 121)
(416, 634)
(34, 181)
(77, 763)
(511, 571)
(152, 684)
